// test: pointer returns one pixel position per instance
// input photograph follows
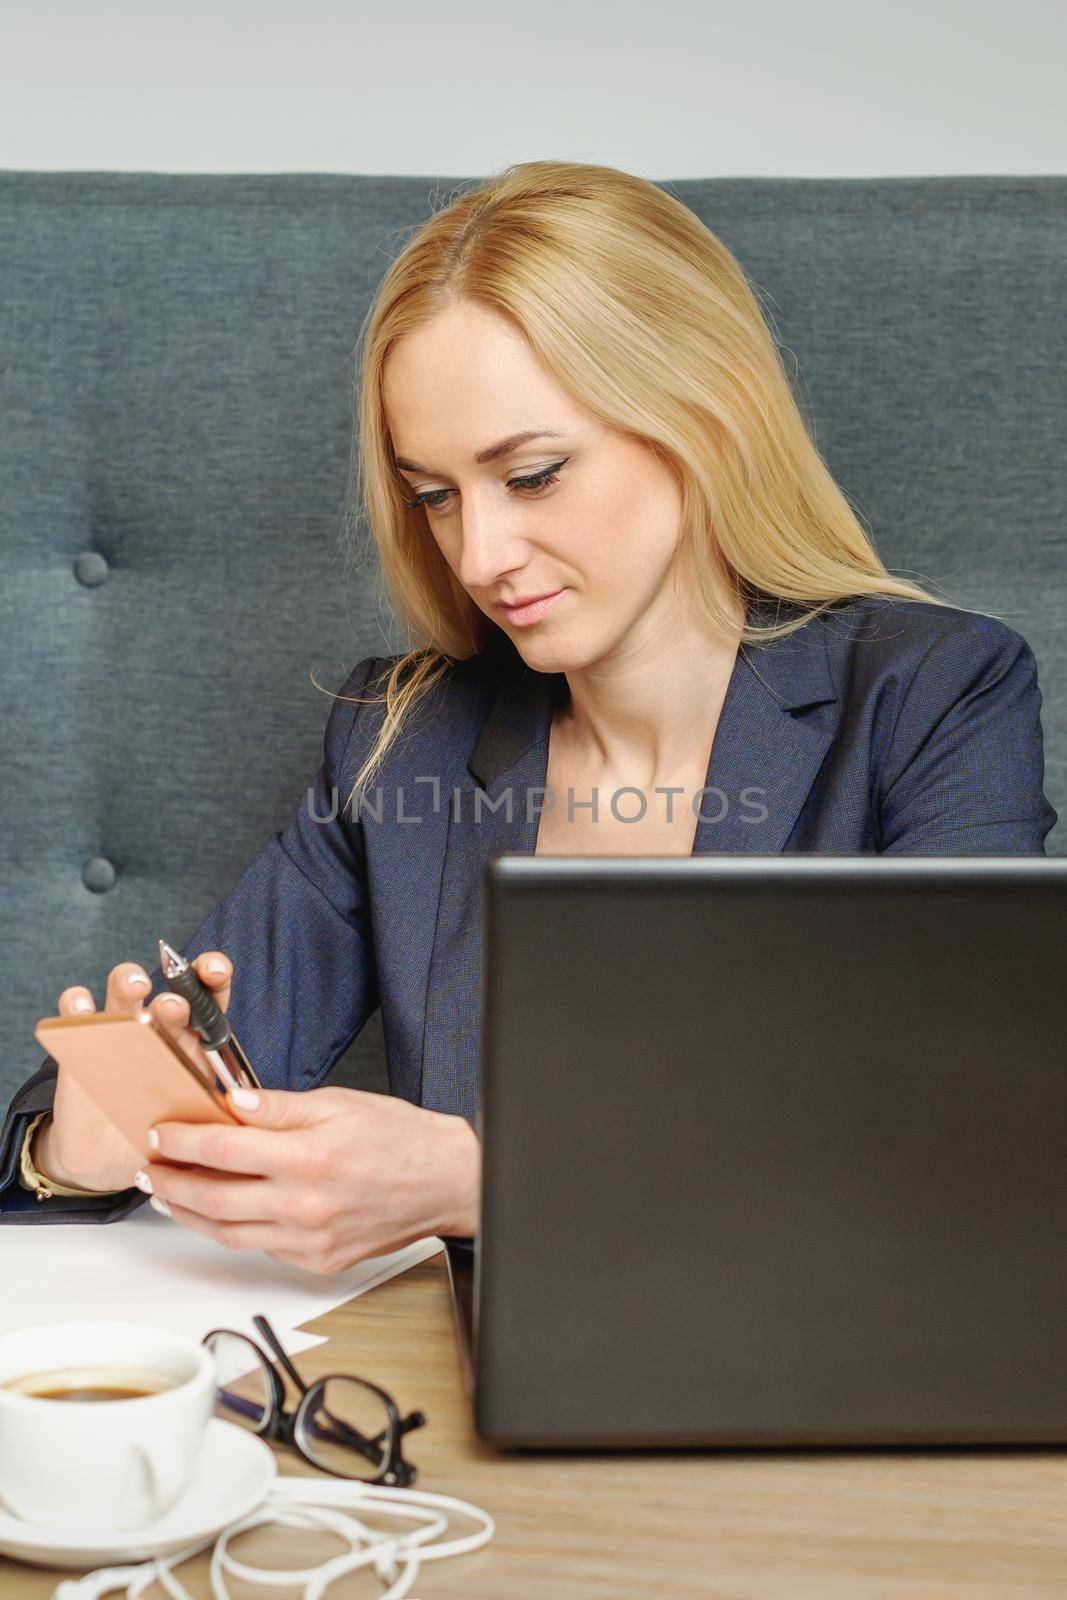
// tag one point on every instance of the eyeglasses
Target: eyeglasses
(343, 1425)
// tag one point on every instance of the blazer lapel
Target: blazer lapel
(765, 755)
(764, 760)
(493, 812)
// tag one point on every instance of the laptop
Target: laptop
(775, 1153)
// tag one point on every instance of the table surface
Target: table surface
(825, 1525)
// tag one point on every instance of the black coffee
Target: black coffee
(101, 1393)
(90, 1384)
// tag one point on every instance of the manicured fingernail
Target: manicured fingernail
(153, 1139)
(170, 999)
(216, 966)
(137, 980)
(159, 1205)
(143, 1181)
(81, 1004)
(247, 1099)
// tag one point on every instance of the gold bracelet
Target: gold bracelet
(44, 1188)
(29, 1177)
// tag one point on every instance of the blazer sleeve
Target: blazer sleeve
(297, 928)
(965, 769)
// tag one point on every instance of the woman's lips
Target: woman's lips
(521, 615)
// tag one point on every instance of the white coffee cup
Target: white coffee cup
(104, 1463)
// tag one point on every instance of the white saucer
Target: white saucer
(234, 1471)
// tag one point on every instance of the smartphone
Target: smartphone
(134, 1072)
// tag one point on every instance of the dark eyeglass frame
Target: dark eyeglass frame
(285, 1427)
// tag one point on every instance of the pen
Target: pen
(219, 1040)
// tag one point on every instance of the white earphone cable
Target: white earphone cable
(307, 1504)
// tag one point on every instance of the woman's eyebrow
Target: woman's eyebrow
(493, 451)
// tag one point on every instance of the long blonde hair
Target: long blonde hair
(646, 319)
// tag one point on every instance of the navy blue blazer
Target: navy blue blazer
(881, 727)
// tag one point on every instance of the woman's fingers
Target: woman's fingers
(215, 969)
(77, 1001)
(172, 1013)
(221, 1198)
(237, 1235)
(274, 1239)
(253, 1152)
(128, 986)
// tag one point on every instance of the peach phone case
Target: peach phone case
(134, 1072)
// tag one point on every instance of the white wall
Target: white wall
(662, 88)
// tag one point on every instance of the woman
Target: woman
(595, 500)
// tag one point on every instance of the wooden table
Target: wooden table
(807, 1526)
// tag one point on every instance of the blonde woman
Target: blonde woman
(648, 622)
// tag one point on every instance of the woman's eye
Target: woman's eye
(534, 483)
(429, 497)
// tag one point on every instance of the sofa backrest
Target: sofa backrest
(175, 422)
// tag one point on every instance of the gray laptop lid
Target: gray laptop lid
(775, 1152)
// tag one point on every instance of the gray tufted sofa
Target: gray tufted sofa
(175, 418)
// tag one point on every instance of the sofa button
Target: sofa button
(91, 568)
(98, 875)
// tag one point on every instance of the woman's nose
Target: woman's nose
(487, 547)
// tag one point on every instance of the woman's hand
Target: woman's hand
(77, 1145)
(321, 1178)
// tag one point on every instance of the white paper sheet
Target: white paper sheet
(149, 1269)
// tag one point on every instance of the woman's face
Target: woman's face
(602, 526)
